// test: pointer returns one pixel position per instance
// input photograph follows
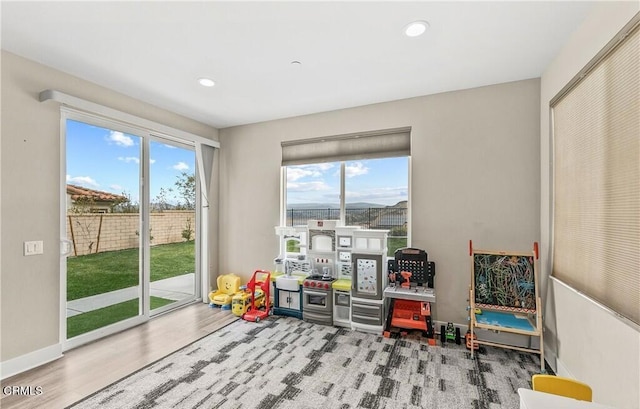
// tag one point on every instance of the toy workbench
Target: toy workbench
(410, 292)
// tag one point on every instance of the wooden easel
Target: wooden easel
(504, 287)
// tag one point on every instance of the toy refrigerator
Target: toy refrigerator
(369, 261)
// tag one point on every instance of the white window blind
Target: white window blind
(367, 145)
(596, 178)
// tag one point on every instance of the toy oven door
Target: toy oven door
(317, 301)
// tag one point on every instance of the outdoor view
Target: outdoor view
(376, 193)
(103, 224)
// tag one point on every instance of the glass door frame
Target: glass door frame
(198, 228)
(145, 313)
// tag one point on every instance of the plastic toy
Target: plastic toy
(409, 306)
(261, 280)
(467, 338)
(450, 333)
(228, 286)
(241, 302)
(407, 279)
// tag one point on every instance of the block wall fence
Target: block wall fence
(96, 233)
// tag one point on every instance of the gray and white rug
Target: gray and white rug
(284, 362)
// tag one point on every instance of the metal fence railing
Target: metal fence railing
(393, 219)
(366, 217)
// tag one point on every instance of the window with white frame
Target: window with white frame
(359, 179)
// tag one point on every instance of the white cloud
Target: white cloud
(82, 181)
(129, 159)
(316, 170)
(355, 169)
(116, 188)
(294, 174)
(120, 139)
(181, 166)
(322, 167)
(307, 186)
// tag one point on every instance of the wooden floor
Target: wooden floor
(87, 369)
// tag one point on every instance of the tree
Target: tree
(186, 187)
(125, 205)
(161, 202)
(85, 223)
(187, 232)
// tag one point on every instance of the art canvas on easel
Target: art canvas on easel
(504, 296)
(505, 281)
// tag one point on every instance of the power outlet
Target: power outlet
(32, 248)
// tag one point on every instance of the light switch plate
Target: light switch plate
(32, 248)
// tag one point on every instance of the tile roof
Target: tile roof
(77, 192)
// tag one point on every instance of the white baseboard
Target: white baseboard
(31, 360)
(562, 370)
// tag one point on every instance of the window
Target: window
(312, 193)
(377, 195)
(596, 177)
(361, 180)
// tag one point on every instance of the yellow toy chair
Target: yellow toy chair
(557, 385)
(228, 286)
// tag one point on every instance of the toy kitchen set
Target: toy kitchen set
(333, 275)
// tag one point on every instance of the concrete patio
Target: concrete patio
(175, 288)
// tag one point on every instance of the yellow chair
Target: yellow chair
(558, 385)
(228, 286)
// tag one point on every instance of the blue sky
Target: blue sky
(102, 159)
(379, 181)
(106, 160)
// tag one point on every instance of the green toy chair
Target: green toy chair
(557, 385)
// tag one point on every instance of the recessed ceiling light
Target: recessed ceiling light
(416, 28)
(206, 82)
(296, 63)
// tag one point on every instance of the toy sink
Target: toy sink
(289, 283)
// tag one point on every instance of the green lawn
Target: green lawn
(79, 324)
(113, 270)
(394, 244)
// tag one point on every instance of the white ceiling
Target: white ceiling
(352, 53)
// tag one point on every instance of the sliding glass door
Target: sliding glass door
(131, 221)
(173, 224)
(102, 225)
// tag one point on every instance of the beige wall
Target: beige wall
(590, 344)
(30, 294)
(474, 175)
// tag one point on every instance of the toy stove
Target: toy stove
(317, 304)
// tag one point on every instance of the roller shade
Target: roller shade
(366, 145)
(596, 130)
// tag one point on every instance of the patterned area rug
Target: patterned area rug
(284, 362)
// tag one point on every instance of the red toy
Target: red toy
(407, 276)
(262, 280)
